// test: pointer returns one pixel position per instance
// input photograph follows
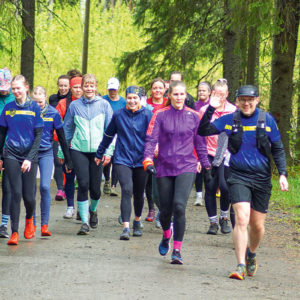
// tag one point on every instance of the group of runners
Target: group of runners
(158, 146)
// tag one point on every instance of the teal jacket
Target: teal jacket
(85, 123)
(4, 99)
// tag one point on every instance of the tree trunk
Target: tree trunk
(27, 52)
(86, 38)
(253, 57)
(283, 59)
(298, 120)
(231, 60)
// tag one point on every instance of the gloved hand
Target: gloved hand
(207, 175)
(151, 170)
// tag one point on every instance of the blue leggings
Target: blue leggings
(45, 166)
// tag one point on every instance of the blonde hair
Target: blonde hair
(91, 78)
(39, 90)
(222, 82)
(20, 78)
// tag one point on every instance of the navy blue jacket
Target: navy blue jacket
(130, 128)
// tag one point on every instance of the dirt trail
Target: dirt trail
(100, 266)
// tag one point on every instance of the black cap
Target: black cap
(247, 90)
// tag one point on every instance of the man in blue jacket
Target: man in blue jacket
(253, 137)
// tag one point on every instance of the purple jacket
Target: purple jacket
(175, 131)
(200, 104)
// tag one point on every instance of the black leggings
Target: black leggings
(88, 175)
(58, 170)
(132, 182)
(6, 193)
(106, 173)
(199, 182)
(211, 188)
(173, 196)
(148, 191)
(22, 185)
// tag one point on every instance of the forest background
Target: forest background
(255, 42)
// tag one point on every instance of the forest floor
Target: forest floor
(100, 266)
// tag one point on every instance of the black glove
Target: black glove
(69, 165)
(151, 170)
(207, 175)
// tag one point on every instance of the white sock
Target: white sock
(199, 194)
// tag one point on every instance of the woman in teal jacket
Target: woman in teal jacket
(84, 126)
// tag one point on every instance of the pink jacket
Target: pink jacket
(212, 141)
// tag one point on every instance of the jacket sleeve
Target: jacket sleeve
(108, 137)
(108, 117)
(221, 149)
(278, 154)
(36, 143)
(3, 131)
(205, 127)
(69, 126)
(152, 135)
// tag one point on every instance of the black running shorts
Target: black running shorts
(258, 194)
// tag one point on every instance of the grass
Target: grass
(288, 202)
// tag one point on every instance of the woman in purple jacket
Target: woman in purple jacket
(174, 128)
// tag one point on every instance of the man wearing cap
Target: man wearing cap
(6, 97)
(253, 137)
(116, 102)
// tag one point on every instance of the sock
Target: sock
(199, 194)
(213, 219)
(167, 233)
(5, 219)
(83, 207)
(250, 254)
(177, 245)
(223, 214)
(94, 204)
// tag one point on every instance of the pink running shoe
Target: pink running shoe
(60, 196)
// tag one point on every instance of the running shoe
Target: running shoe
(3, 232)
(106, 188)
(29, 229)
(84, 229)
(137, 230)
(151, 215)
(251, 264)
(113, 192)
(218, 194)
(125, 235)
(225, 228)
(93, 219)
(45, 231)
(60, 195)
(239, 273)
(70, 211)
(157, 223)
(78, 218)
(176, 258)
(199, 201)
(164, 246)
(14, 239)
(213, 229)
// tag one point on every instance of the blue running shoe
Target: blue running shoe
(176, 258)
(164, 246)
